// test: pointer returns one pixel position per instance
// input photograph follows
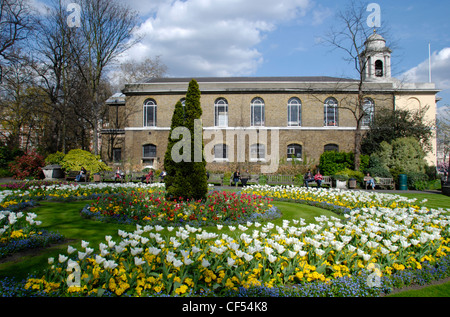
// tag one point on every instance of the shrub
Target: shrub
(27, 166)
(55, 158)
(348, 173)
(75, 159)
(332, 162)
(376, 168)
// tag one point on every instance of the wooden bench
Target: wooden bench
(382, 183)
(326, 180)
(111, 176)
(216, 179)
(253, 179)
(280, 179)
(72, 175)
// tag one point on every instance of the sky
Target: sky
(197, 38)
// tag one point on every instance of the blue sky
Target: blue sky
(282, 38)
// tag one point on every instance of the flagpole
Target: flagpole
(429, 62)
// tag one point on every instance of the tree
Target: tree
(105, 33)
(197, 165)
(16, 22)
(390, 125)
(186, 171)
(171, 180)
(353, 37)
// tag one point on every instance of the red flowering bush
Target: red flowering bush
(28, 165)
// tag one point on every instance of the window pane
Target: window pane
(294, 151)
(330, 112)
(294, 112)
(220, 151)
(257, 112)
(369, 109)
(150, 113)
(221, 113)
(149, 150)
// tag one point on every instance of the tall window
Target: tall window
(369, 111)
(294, 112)
(330, 111)
(220, 152)
(257, 112)
(257, 152)
(150, 113)
(294, 152)
(221, 113)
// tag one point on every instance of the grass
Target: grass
(65, 219)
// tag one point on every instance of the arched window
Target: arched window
(331, 147)
(220, 152)
(150, 113)
(378, 68)
(294, 152)
(257, 152)
(221, 113)
(369, 111)
(294, 112)
(257, 109)
(330, 110)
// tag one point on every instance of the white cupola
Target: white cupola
(377, 59)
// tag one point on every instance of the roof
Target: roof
(247, 79)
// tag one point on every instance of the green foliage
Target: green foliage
(75, 159)
(376, 168)
(332, 162)
(403, 155)
(348, 173)
(388, 126)
(54, 158)
(7, 155)
(187, 178)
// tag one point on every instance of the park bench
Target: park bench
(280, 179)
(326, 180)
(383, 183)
(111, 176)
(216, 179)
(72, 175)
(253, 179)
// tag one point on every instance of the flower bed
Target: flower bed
(152, 207)
(382, 240)
(19, 231)
(373, 242)
(338, 200)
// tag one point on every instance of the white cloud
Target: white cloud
(440, 70)
(212, 37)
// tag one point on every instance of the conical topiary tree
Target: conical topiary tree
(186, 175)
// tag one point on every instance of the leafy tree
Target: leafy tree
(390, 125)
(402, 156)
(75, 159)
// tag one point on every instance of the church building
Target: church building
(260, 120)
